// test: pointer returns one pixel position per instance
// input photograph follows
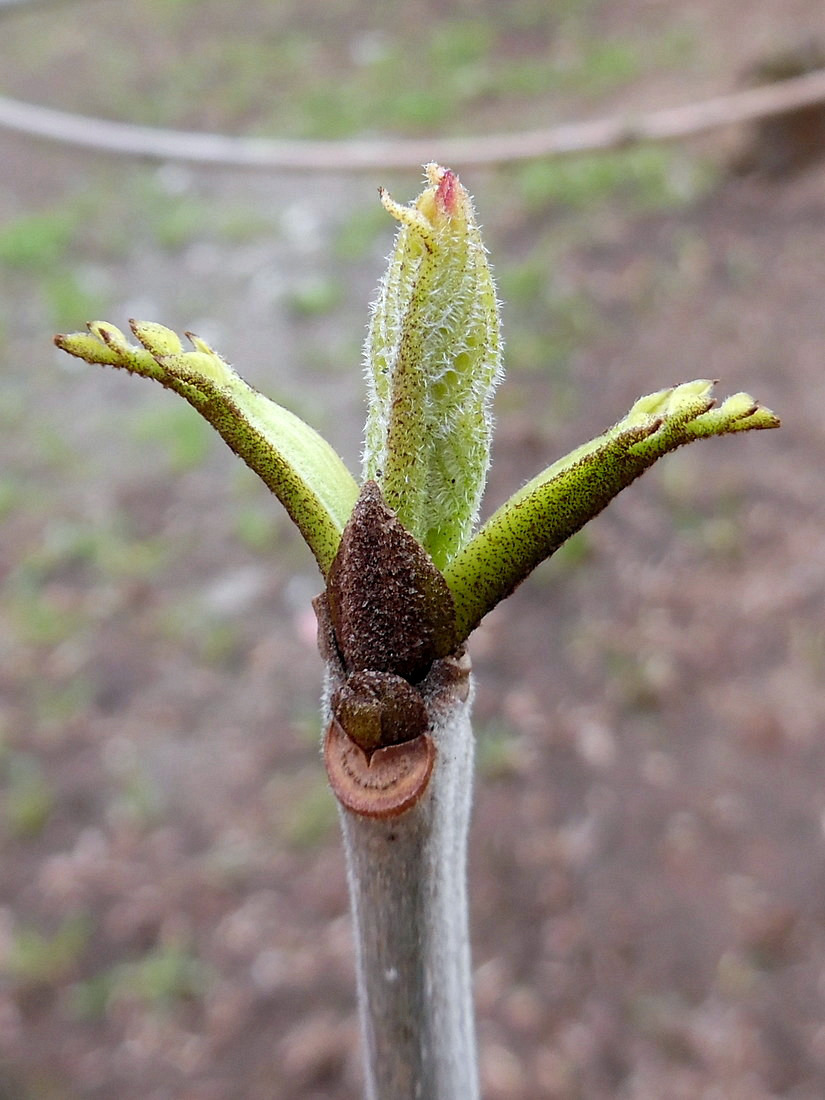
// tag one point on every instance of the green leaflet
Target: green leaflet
(433, 358)
(537, 519)
(292, 459)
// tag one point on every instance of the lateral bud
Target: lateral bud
(377, 709)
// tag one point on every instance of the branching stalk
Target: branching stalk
(407, 580)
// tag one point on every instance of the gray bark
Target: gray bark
(407, 881)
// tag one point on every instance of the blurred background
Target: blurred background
(647, 877)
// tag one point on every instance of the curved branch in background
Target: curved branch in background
(14, 5)
(668, 124)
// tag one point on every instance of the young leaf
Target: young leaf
(433, 358)
(537, 519)
(291, 458)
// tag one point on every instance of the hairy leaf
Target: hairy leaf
(433, 358)
(537, 519)
(293, 460)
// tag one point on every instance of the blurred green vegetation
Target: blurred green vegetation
(28, 799)
(647, 177)
(36, 242)
(498, 752)
(37, 958)
(350, 69)
(164, 976)
(313, 815)
(176, 431)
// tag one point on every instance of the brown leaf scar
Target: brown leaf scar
(382, 783)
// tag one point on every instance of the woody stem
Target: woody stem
(407, 882)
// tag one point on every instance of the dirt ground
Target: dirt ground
(647, 861)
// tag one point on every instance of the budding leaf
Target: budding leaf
(433, 358)
(542, 515)
(292, 459)
(407, 581)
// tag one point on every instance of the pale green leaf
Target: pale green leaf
(433, 358)
(293, 460)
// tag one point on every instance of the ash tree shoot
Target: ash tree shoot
(408, 577)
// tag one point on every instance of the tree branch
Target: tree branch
(669, 124)
(407, 881)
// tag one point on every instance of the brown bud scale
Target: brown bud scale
(377, 709)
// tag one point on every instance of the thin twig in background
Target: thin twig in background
(669, 124)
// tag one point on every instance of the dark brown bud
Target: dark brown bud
(377, 709)
(390, 607)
